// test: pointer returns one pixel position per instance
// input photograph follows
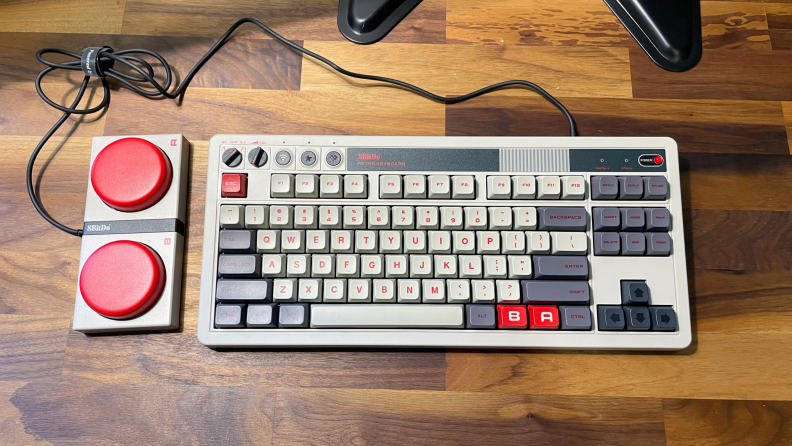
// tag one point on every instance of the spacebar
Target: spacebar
(387, 316)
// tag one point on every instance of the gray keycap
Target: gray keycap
(237, 265)
(236, 240)
(554, 292)
(663, 318)
(262, 316)
(607, 244)
(655, 188)
(604, 188)
(657, 219)
(236, 290)
(638, 318)
(630, 188)
(632, 219)
(293, 316)
(606, 219)
(634, 292)
(562, 219)
(658, 244)
(575, 317)
(481, 316)
(560, 267)
(610, 317)
(229, 316)
(633, 243)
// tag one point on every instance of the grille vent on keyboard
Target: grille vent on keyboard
(534, 160)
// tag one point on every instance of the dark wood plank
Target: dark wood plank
(697, 126)
(721, 74)
(32, 347)
(733, 25)
(315, 20)
(779, 22)
(716, 422)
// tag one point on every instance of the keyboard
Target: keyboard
(490, 242)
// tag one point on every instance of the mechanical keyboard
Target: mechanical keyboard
(492, 242)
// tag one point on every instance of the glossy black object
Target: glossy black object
(668, 30)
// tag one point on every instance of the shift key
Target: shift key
(555, 292)
(562, 219)
(560, 267)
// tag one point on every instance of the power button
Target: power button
(650, 160)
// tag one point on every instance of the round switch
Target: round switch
(232, 157)
(122, 279)
(257, 157)
(131, 174)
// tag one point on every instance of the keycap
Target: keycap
(560, 267)
(427, 217)
(495, 267)
(555, 292)
(508, 291)
(663, 318)
(229, 315)
(414, 186)
(309, 290)
(525, 218)
(347, 265)
(403, 217)
(657, 219)
(354, 217)
(329, 217)
(658, 244)
(548, 187)
(463, 187)
(500, 218)
(268, 241)
(390, 242)
(378, 217)
(543, 317)
(512, 317)
(655, 188)
(409, 291)
(439, 242)
(316, 241)
(298, 265)
(243, 290)
(637, 318)
(632, 219)
(519, 267)
(433, 291)
(384, 290)
(523, 187)
(239, 265)
(632, 243)
(366, 241)
(484, 291)
(305, 217)
(606, 219)
(231, 216)
(630, 188)
(475, 218)
(294, 315)
(464, 242)
(634, 292)
(458, 291)
(390, 186)
(306, 186)
(499, 187)
(445, 266)
(256, 217)
(372, 265)
(280, 217)
(292, 241)
(575, 317)
(420, 266)
(607, 244)
(414, 242)
(341, 241)
(610, 317)
(323, 265)
(574, 188)
(273, 265)
(396, 266)
(282, 185)
(334, 290)
(355, 186)
(236, 241)
(569, 243)
(439, 186)
(512, 242)
(537, 242)
(451, 218)
(233, 185)
(262, 316)
(604, 188)
(481, 317)
(284, 290)
(359, 290)
(330, 186)
(488, 242)
(562, 219)
(388, 316)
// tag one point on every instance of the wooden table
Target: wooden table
(729, 116)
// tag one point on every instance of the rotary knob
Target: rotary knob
(232, 157)
(122, 279)
(257, 157)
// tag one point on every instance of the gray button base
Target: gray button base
(607, 244)
(333, 158)
(283, 158)
(606, 219)
(560, 267)
(638, 318)
(236, 240)
(562, 219)
(236, 290)
(236, 265)
(308, 158)
(481, 316)
(575, 317)
(632, 243)
(604, 188)
(555, 292)
(293, 316)
(658, 244)
(229, 315)
(610, 317)
(663, 318)
(634, 292)
(262, 316)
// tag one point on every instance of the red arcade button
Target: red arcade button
(131, 174)
(543, 316)
(234, 185)
(512, 316)
(122, 279)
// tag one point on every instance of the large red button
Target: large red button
(131, 174)
(122, 279)
(512, 316)
(543, 317)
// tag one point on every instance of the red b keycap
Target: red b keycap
(512, 316)
(543, 317)
(234, 185)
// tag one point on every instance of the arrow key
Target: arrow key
(663, 318)
(610, 317)
(637, 318)
(634, 292)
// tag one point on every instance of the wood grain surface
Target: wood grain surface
(731, 116)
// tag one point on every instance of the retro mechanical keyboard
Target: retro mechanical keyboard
(326, 241)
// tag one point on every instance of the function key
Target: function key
(549, 187)
(657, 219)
(575, 317)
(632, 219)
(630, 188)
(607, 244)
(658, 244)
(562, 219)
(390, 186)
(231, 216)
(439, 186)
(306, 186)
(463, 187)
(282, 185)
(574, 188)
(355, 186)
(330, 186)
(499, 187)
(414, 186)
(604, 188)
(656, 188)
(234, 185)
(633, 243)
(523, 187)
(606, 219)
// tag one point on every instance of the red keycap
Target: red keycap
(234, 185)
(512, 316)
(543, 317)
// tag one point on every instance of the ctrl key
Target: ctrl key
(229, 315)
(294, 316)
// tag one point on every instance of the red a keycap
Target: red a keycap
(543, 317)
(512, 316)
(234, 185)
